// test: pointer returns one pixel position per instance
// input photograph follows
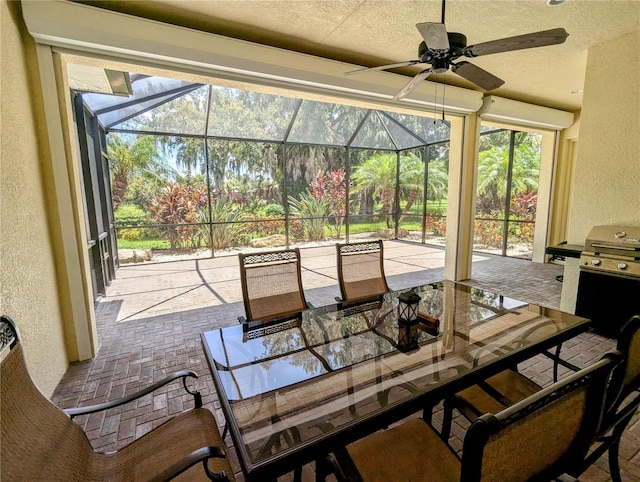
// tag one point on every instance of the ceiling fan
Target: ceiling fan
(440, 48)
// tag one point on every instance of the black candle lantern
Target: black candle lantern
(408, 308)
(408, 336)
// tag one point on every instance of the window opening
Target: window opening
(202, 170)
(507, 191)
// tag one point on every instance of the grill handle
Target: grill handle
(621, 248)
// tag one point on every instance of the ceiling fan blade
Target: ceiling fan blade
(383, 67)
(413, 83)
(478, 76)
(434, 35)
(527, 41)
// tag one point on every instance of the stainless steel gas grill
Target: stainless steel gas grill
(609, 284)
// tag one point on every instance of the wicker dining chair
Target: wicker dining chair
(539, 438)
(361, 271)
(39, 441)
(510, 387)
(271, 286)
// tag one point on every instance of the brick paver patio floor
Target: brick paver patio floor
(150, 321)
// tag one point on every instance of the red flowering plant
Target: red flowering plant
(176, 207)
(332, 189)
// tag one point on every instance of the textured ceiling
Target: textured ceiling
(375, 32)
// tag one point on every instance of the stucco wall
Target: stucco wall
(28, 284)
(606, 187)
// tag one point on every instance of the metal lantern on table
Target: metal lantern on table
(408, 336)
(408, 333)
(409, 303)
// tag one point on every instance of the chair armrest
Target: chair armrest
(193, 458)
(624, 415)
(73, 412)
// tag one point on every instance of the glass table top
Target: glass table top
(284, 385)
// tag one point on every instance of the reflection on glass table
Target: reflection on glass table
(291, 391)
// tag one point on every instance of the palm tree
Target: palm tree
(493, 166)
(493, 169)
(128, 159)
(376, 177)
(437, 181)
(411, 180)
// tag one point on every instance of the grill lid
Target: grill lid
(613, 250)
(617, 240)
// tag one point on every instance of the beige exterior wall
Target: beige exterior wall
(606, 184)
(28, 273)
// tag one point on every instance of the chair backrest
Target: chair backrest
(272, 285)
(627, 375)
(361, 270)
(38, 440)
(542, 436)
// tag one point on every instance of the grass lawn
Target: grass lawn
(143, 244)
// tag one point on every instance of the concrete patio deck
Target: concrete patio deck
(150, 321)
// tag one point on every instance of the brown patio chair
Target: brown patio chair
(623, 401)
(539, 438)
(509, 387)
(271, 287)
(39, 441)
(503, 389)
(361, 271)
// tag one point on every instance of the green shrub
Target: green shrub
(227, 217)
(142, 190)
(130, 234)
(130, 215)
(274, 210)
(313, 213)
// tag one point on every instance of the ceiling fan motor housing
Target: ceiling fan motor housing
(457, 43)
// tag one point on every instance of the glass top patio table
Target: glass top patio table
(293, 391)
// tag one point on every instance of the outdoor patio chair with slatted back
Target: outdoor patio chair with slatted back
(39, 441)
(361, 271)
(538, 439)
(271, 287)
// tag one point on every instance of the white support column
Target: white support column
(543, 208)
(461, 197)
(68, 226)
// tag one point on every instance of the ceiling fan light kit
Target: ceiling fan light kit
(440, 49)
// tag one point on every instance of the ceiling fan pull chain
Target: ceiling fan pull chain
(444, 87)
(435, 104)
